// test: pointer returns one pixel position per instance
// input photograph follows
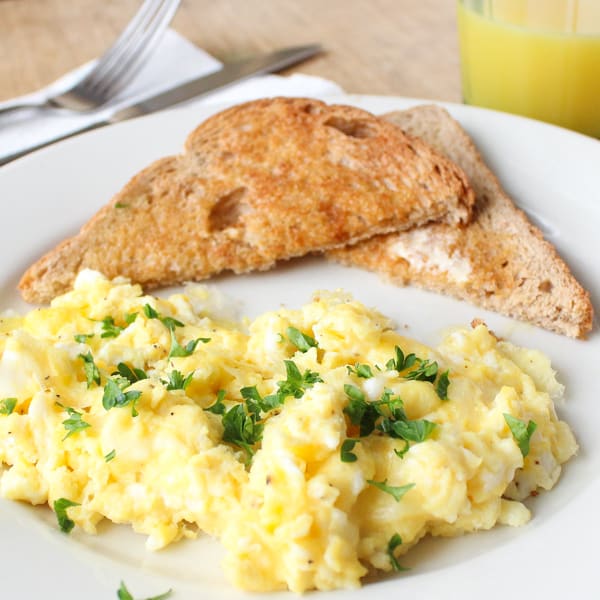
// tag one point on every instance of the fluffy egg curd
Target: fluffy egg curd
(317, 445)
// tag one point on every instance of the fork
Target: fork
(116, 67)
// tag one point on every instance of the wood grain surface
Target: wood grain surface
(398, 47)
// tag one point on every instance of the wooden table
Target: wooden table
(399, 47)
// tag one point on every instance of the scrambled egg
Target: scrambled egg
(310, 442)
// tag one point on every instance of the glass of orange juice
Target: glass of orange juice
(538, 58)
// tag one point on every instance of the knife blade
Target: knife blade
(229, 74)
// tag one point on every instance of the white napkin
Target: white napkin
(175, 61)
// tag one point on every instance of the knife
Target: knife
(229, 74)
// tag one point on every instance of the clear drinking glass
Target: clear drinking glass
(538, 58)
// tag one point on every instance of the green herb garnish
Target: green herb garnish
(393, 543)
(401, 362)
(110, 328)
(359, 370)
(130, 373)
(60, 508)
(302, 341)
(92, 374)
(7, 406)
(75, 421)
(82, 338)
(108, 457)
(346, 454)
(169, 322)
(115, 396)
(124, 594)
(397, 491)
(178, 350)
(441, 387)
(425, 371)
(296, 383)
(241, 427)
(521, 431)
(177, 381)
(218, 408)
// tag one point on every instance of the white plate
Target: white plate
(552, 173)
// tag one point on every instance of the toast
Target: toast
(500, 261)
(260, 182)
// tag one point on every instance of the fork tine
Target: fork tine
(139, 51)
(120, 48)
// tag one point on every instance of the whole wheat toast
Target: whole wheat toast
(500, 261)
(259, 182)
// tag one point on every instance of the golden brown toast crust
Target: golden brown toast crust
(259, 182)
(500, 261)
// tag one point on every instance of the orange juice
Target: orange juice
(538, 58)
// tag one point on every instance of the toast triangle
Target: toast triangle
(500, 261)
(259, 182)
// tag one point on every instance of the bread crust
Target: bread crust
(500, 261)
(260, 182)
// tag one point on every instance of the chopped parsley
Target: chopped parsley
(218, 408)
(130, 318)
(397, 491)
(92, 374)
(110, 328)
(393, 543)
(413, 431)
(400, 362)
(346, 454)
(521, 431)
(441, 387)
(302, 341)
(60, 508)
(130, 373)
(177, 381)
(403, 451)
(75, 421)
(121, 205)
(169, 322)
(124, 594)
(7, 406)
(108, 457)
(385, 415)
(296, 383)
(82, 338)
(425, 370)
(242, 428)
(115, 396)
(359, 370)
(178, 350)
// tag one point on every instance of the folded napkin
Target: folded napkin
(174, 62)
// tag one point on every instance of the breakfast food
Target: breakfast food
(499, 261)
(259, 182)
(317, 444)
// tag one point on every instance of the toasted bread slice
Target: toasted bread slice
(499, 261)
(259, 182)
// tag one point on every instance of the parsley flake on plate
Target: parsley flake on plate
(124, 594)
(60, 508)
